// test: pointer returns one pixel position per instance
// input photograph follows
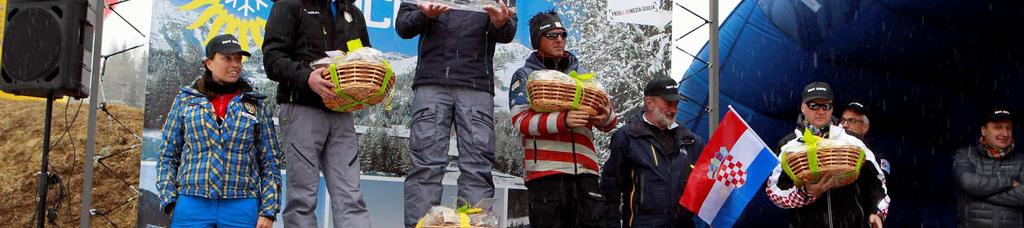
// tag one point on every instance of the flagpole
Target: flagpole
(713, 70)
(90, 144)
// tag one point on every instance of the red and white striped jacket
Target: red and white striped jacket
(552, 148)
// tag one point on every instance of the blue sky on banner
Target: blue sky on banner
(525, 10)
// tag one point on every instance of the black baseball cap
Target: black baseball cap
(998, 115)
(663, 86)
(225, 44)
(816, 90)
(857, 107)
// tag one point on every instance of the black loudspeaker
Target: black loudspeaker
(45, 46)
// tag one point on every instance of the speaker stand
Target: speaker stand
(44, 176)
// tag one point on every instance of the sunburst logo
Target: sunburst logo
(244, 18)
(3, 18)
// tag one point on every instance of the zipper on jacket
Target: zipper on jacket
(632, 194)
(828, 200)
(863, 213)
(856, 198)
(487, 65)
(654, 155)
(575, 164)
(326, 20)
(640, 185)
(534, 150)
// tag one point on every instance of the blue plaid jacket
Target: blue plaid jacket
(236, 159)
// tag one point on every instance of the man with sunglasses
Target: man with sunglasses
(560, 158)
(826, 203)
(855, 121)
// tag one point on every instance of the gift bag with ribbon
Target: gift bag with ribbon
(552, 91)
(361, 78)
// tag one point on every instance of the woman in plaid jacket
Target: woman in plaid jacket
(219, 159)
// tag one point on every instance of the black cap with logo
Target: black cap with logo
(816, 90)
(857, 107)
(542, 23)
(998, 115)
(225, 44)
(663, 86)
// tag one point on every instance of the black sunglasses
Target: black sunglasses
(555, 35)
(817, 106)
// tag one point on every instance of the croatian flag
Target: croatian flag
(730, 170)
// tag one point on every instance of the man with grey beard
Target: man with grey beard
(649, 163)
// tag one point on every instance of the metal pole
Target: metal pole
(90, 144)
(713, 70)
(44, 174)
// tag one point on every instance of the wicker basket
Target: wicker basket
(359, 83)
(549, 94)
(832, 160)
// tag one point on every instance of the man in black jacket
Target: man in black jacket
(315, 139)
(650, 161)
(855, 120)
(454, 82)
(989, 176)
(827, 203)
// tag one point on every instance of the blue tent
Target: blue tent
(928, 70)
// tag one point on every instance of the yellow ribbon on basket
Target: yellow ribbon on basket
(577, 97)
(580, 78)
(811, 141)
(463, 211)
(353, 45)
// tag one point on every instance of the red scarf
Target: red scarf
(997, 153)
(220, 104)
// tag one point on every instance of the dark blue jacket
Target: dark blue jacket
(645, 179)
(456, 48)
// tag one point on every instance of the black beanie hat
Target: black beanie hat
(541, 23)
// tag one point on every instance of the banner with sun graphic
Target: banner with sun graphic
(3, 14)
(245, 20)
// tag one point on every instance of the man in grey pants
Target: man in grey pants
(454, 82)
(315, 139)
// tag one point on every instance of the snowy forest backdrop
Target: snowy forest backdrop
(624, 56)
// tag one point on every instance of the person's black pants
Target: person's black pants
(565, 200)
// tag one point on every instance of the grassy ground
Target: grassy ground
(21, 143)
